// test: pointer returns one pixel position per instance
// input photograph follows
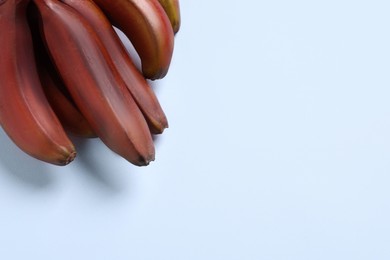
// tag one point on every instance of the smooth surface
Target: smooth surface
(278, 148)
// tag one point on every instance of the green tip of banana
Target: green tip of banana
(172, 9)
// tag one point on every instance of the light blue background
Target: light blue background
(278, 148)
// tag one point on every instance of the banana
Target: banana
(68, 114)
(142, 93)
(25, 113)
(172, 9)
(148, 28)
(59, 98)
(94, 85)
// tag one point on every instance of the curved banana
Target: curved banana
(96, 88)
(25, 113)
(142, 93)
(148, 28)
(172, 8)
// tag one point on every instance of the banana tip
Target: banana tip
(70, 158)
(145, 161)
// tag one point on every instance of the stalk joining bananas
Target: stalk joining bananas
(63, 69)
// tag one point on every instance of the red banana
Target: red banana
(25, 113)
(142, 93)
(148, 28)
(95, 86)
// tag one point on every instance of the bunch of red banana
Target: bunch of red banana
(63, 69)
